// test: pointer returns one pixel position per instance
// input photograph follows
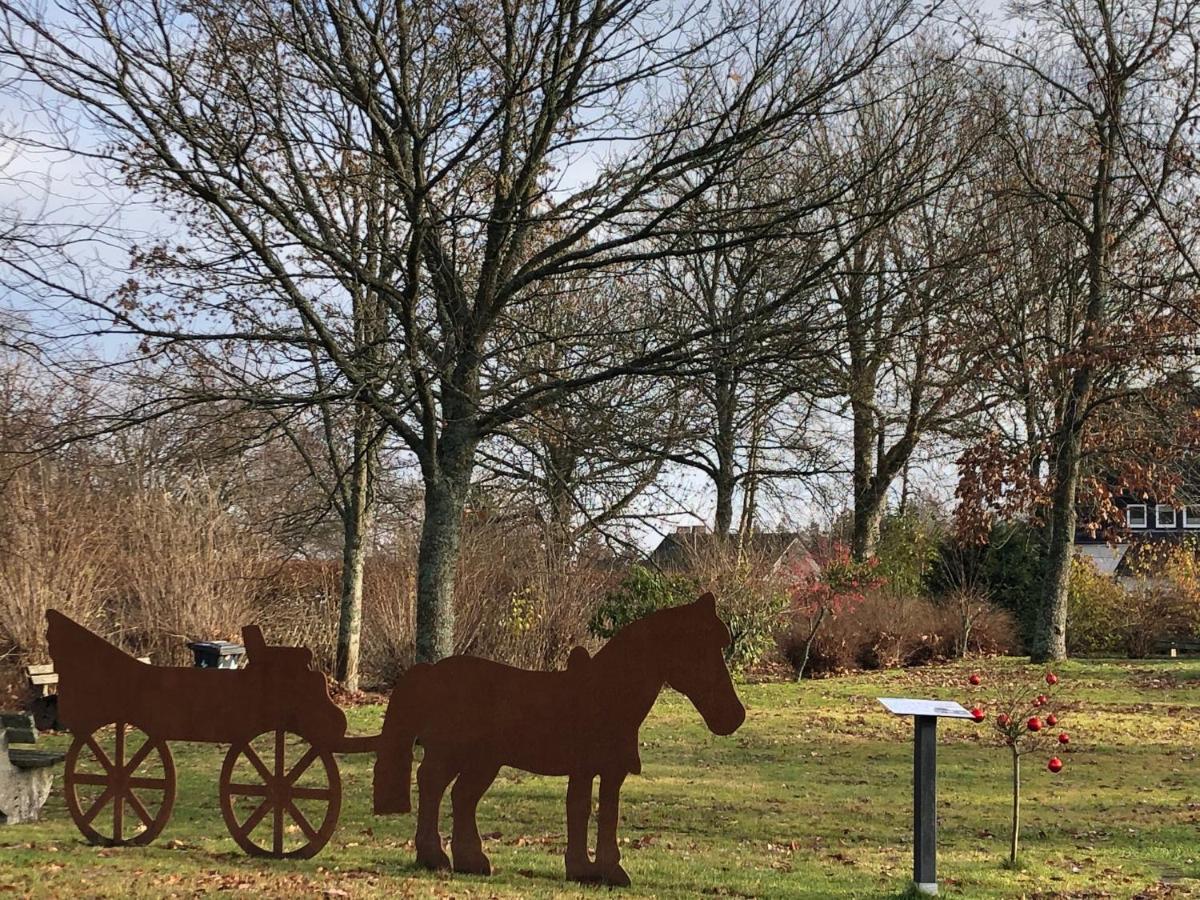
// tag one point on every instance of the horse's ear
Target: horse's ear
(707, 601)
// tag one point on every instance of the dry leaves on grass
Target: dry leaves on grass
(270, 884)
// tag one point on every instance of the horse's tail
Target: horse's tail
(401, 723)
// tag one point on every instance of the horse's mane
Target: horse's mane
(643, 630)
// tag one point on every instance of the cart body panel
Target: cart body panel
(100, 684)
(122, 793)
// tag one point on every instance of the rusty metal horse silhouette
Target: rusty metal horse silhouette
(472, 716)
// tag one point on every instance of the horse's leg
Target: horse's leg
(608, 856)
(579, 811)
(464, 798)
(432, 778)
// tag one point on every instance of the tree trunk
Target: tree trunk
(1016, 807)
(357, 508)
(868, 497)
(725, 478)
(749, 515)
(723, 522)
(868, 521)
(437, 558)
(354, 555)
(747, 522)
(813, 628)
(562, 462)
(1050, 639)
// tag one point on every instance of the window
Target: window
(1135, 515)
(1191, 517)
(1164, 516)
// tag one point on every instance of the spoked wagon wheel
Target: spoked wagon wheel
(280, 795)
(120, 785)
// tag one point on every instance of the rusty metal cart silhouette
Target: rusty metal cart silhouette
(280, 790)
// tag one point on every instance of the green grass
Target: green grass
(812, 798)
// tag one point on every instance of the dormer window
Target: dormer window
(1191, 517)
(1164, 516)
(1135, 515)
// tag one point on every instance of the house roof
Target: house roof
(679, 549)
(1105, 557)
(1134, 561)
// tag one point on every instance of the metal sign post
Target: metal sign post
(925, 714)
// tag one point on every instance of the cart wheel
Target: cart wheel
(103, 779)
(285, 807)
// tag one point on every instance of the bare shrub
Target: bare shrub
(494, 588)
(298, 607)
(883, 631)
(822, 596)
(752, 589)
(831, 648)
(1161, 599)
(152, 570)
(510, 605)
(513, 605)
(1156, 611)
(992, 630)
(898, 631)
(186, 570)
(55, 542)
(389, 597)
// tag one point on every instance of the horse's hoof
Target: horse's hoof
(435, 859)
(613, 876)
(584, 871)
(472, 862)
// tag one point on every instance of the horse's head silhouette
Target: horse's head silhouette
(694, 658)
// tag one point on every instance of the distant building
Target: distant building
(680, 549)
(1145, 521)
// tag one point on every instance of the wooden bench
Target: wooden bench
(26, 774)
(43, 684)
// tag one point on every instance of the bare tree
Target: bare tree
(901, 357)
(1103, 98)
(751, 374)
(517, 143)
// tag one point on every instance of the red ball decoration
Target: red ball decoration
(1055, 764)
(1034, 724)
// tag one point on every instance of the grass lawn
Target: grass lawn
(811, 798)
